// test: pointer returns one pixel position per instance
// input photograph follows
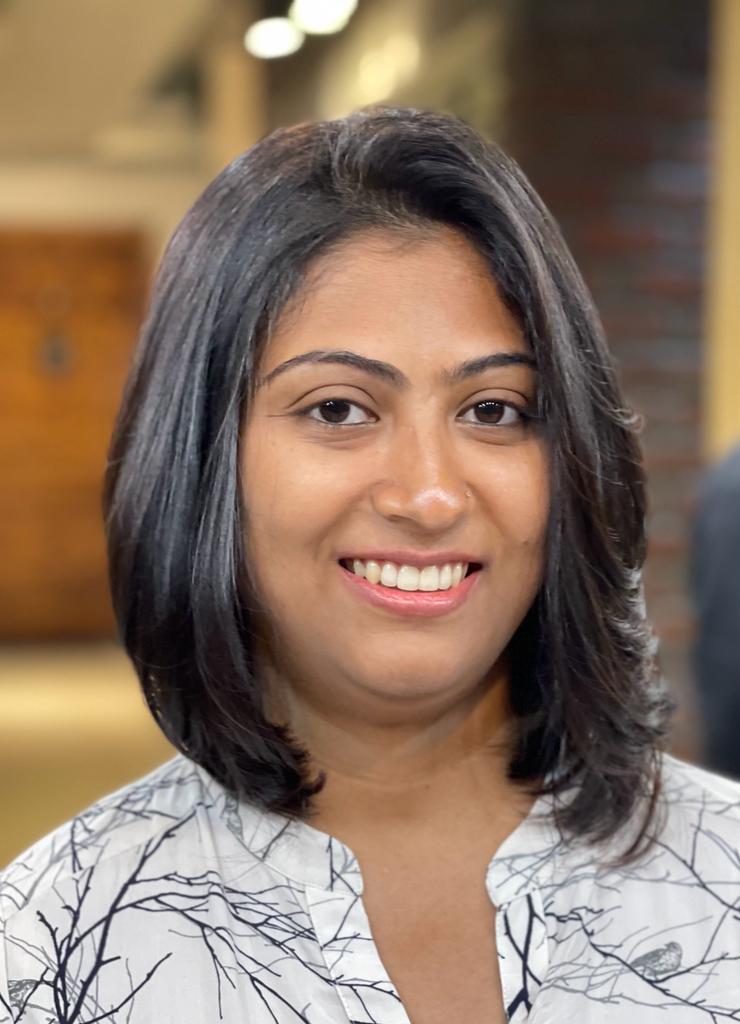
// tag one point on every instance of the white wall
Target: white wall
(50, 194)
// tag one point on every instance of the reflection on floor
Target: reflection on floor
(73, 726)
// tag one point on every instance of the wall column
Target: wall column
(234, 87)
(722, 349)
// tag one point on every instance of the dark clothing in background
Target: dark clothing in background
(715, 572)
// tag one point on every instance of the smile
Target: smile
(428, 579)
(411, 600)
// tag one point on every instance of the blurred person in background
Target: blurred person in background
(715, 579)
(376, 526)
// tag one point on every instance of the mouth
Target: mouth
(470, 568)
(443, 591)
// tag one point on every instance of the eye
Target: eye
(497, 414)
(336, 411)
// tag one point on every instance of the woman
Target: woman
(375, 515)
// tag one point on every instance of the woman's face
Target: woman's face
(394, 456)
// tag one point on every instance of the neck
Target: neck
(397, 767)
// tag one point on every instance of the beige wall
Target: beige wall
(722, 363)
(67, 194)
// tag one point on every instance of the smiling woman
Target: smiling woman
(377, 445)
(375, 516)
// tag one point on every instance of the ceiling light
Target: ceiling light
(322, 17)
(376, 78)
(273, 37)
(402, 52)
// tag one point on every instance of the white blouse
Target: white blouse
(169, 902)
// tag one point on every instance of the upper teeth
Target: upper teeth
(408, 577)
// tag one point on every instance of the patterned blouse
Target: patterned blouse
(170, 902)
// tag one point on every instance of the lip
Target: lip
(411, 602)
(419, 559)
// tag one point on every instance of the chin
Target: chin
(416, 683)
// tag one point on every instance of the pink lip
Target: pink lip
(406, 602)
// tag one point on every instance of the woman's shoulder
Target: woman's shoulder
(121, 822)
(696, 830)
(700, 798)
(658, 931)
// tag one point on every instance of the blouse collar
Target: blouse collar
(307, 856)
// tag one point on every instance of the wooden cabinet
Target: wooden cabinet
(70, 308)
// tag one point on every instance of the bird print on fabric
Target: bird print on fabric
(659, 962)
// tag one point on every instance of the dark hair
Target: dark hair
(588, 706)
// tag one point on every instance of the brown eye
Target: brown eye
(333, 412)
(492, 413)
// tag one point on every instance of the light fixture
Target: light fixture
(382, 70)
(273, 37)
(401, 50)
(321, 17)
(376, 78)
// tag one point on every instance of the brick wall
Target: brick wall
(608, 115)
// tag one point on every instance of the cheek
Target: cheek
(261, 480)
(287, 504)
(519, 496)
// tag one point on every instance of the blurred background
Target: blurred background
(114, 114)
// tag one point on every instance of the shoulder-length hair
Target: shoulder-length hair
(590, 714)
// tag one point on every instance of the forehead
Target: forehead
(431, 289)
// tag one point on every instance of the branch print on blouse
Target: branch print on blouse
(170, 901)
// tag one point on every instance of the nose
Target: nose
(422, 482)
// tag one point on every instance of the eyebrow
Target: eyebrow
(392, 375)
